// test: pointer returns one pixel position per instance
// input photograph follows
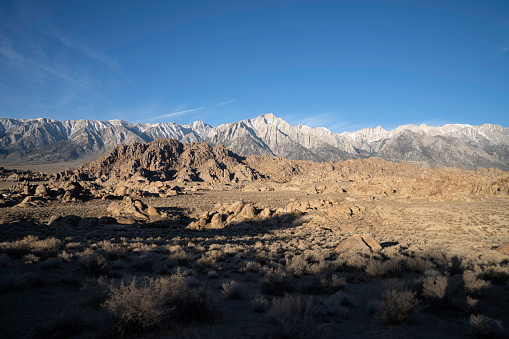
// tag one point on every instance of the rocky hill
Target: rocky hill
(167, 160)
(38, 141)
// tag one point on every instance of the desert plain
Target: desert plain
(183, 240)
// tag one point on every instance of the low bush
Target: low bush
(140, 305)
(395, 306)
(277, 282)
(485, 327)
(232, 290)
(293, 316)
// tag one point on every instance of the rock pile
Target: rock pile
(133, 208)
(228, 213)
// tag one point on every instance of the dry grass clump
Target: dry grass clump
(277, 282)
(293, 316)
(395, 306)
(140, 305)
(232, 290)
(485, 327)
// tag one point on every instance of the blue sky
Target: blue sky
(344, 65)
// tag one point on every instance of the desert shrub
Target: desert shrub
(297, 265)
(251, 267)
(139, 305)
(92, 262)
(395, 306)
(205, 262)
(262, 258)
(260, 304)
(443, 291)
(110, 250)
(321, 268)
(485, 327)
(143, 263)
(30, 243)
(180, 255)
(336, 304)
(293, 316)
(66, 256)
(437, 256)
(472, 283)
(353, 261)
(30, 258)
(217, 255)
(232, 290)
(435, 287)
(322, 284)
(418, 265)
(277, 282)
(97, 290)
(497, 274)
(377, 268)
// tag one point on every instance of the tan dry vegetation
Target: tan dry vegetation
(360, 248)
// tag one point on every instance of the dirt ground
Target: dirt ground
(437, 273)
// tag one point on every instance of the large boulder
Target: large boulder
(357, 242)
(353, 244)
(248, 211)
(41, 190)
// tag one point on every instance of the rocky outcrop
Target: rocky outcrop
(225, 214)
(167, 159)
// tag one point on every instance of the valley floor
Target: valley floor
(437, 273)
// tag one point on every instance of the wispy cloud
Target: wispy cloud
(88, 52)
(176, 114)
(225, 102)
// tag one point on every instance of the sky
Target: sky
(344, 65)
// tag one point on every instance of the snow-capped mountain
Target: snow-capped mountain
(24, 141)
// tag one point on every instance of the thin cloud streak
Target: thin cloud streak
(88, 52)
(176, 114)
(225, 102)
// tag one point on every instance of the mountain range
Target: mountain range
(41, 141)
